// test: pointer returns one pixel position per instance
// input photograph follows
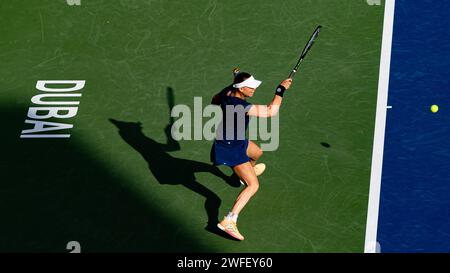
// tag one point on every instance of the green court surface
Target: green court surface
(121, 191)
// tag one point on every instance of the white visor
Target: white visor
(250, 82)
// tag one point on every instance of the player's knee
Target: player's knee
(254, 187)
(258, 154)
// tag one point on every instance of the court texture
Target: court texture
(119, 184)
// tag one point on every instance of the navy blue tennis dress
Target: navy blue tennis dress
(230, 145)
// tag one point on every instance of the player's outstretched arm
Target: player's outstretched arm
(270, 110)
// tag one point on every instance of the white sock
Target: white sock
(231, 216)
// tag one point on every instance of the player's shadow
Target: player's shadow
(169, 170)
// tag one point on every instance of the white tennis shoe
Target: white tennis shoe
(259, 168)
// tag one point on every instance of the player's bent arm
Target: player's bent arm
(266, 111)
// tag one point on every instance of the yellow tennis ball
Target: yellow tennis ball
(434, 108)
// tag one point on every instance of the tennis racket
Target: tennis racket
(305, 51)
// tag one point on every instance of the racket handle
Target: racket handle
(292, 74)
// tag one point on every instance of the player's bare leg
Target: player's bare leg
(245, 172)
(254, 152)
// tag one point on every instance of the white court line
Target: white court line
(380, 126)
(44, 136)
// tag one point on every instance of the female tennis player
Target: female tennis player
(231, 148)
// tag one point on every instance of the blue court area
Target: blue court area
(415, 190)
